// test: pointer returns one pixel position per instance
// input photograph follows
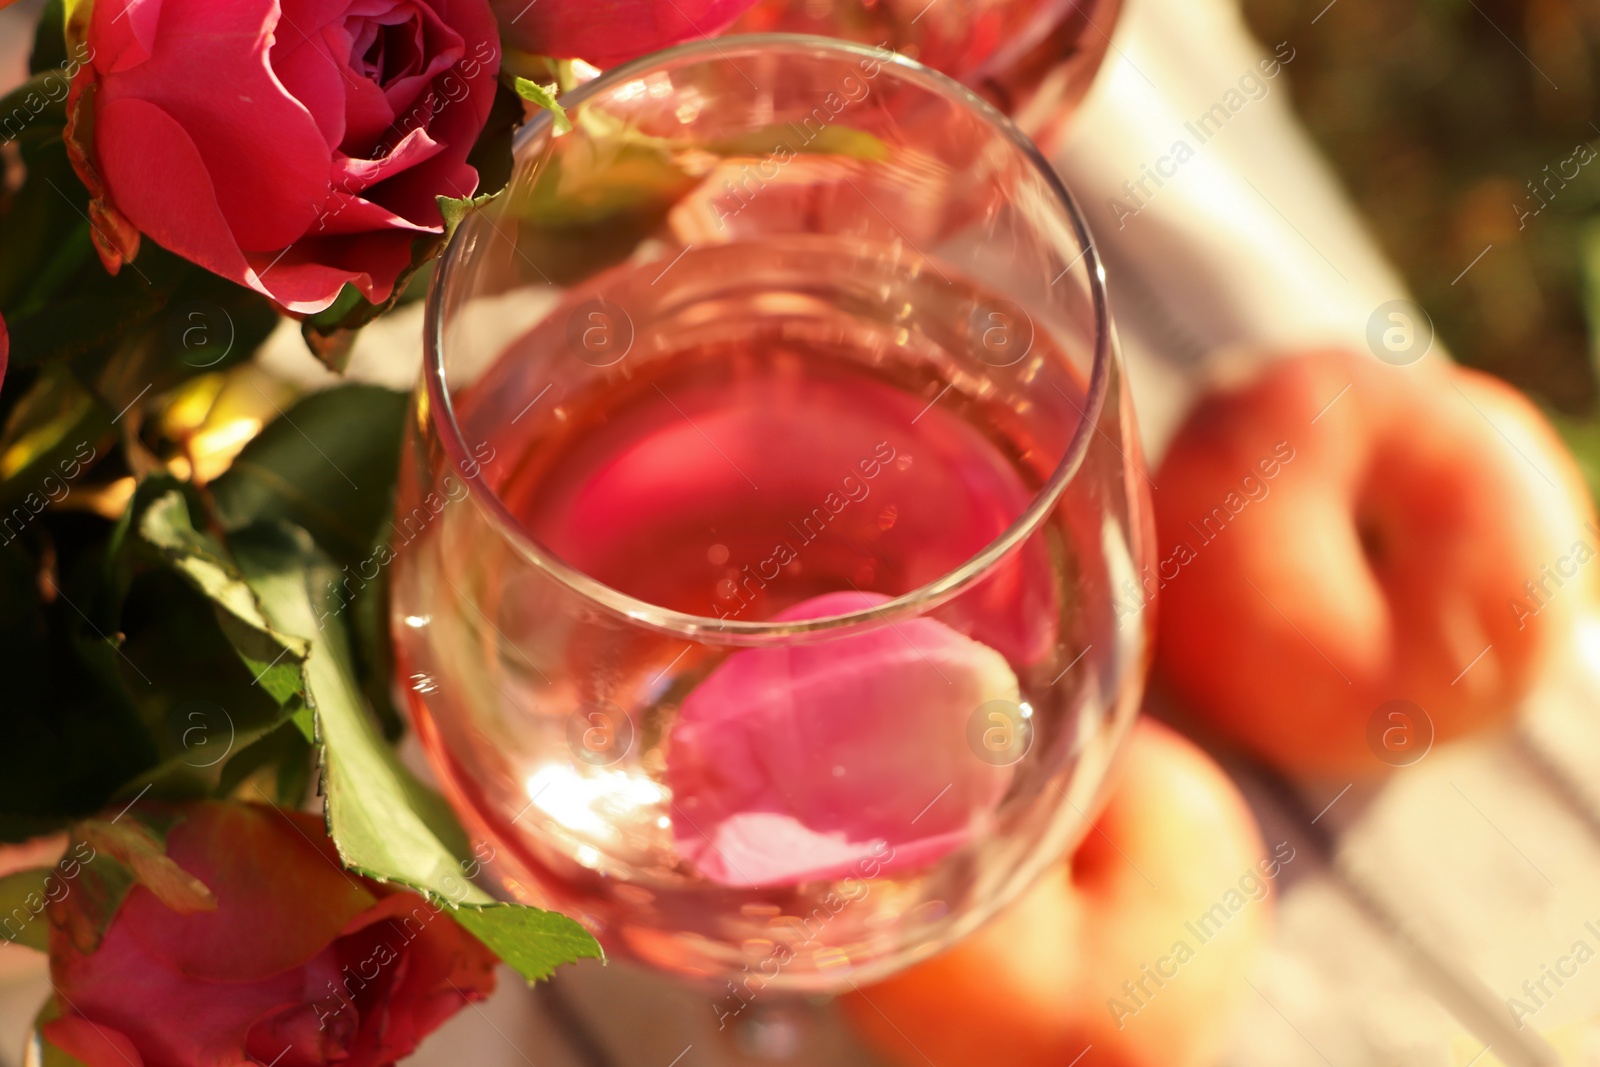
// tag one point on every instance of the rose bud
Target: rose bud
(299, 963)
(291, 147)
(608, 32)
(798, 763)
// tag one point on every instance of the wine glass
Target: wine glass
(771, 570)
(1032, 59)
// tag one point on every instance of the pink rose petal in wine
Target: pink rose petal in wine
(803, 762)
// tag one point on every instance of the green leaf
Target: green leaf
(390, 821)
(583, 183)
(328, 465)
(584, 213)
(122, 674)
(619, 171)
(491, 155)
(47, 212)
(455, 210)
(204, 681)
(347, 303)
(77, 19)
(67, 328)
(331, 333)
(515, 63)
(39, 101)
(72, 735)
(207, 324)
(384, 822)
(198, 699)
(23, 919)
(289, 750)
(167, 526)
(374, 653)
(56, 429)
(133, 656)
(86, 314)
(50, 41)
(545, 97)
(530, 941)
(56, 270)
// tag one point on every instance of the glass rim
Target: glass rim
(442, 415)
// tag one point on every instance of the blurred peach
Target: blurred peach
(1132, 954)
(1339, 535)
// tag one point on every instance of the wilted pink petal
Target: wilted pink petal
(799, 763)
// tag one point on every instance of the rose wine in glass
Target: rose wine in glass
(770, 517)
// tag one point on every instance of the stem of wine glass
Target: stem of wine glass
(575, 1032)
(778, 1029)
(774, 1030)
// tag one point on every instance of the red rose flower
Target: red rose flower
(608, 32)
(300, 964)
(289, 145)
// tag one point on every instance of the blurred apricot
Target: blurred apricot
(1339, 534)
(1132, 954)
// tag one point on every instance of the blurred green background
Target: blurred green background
(1461, 125)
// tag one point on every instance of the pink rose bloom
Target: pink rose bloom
(289, 145)
(300, 965)
(800, 763)
(608, 32)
